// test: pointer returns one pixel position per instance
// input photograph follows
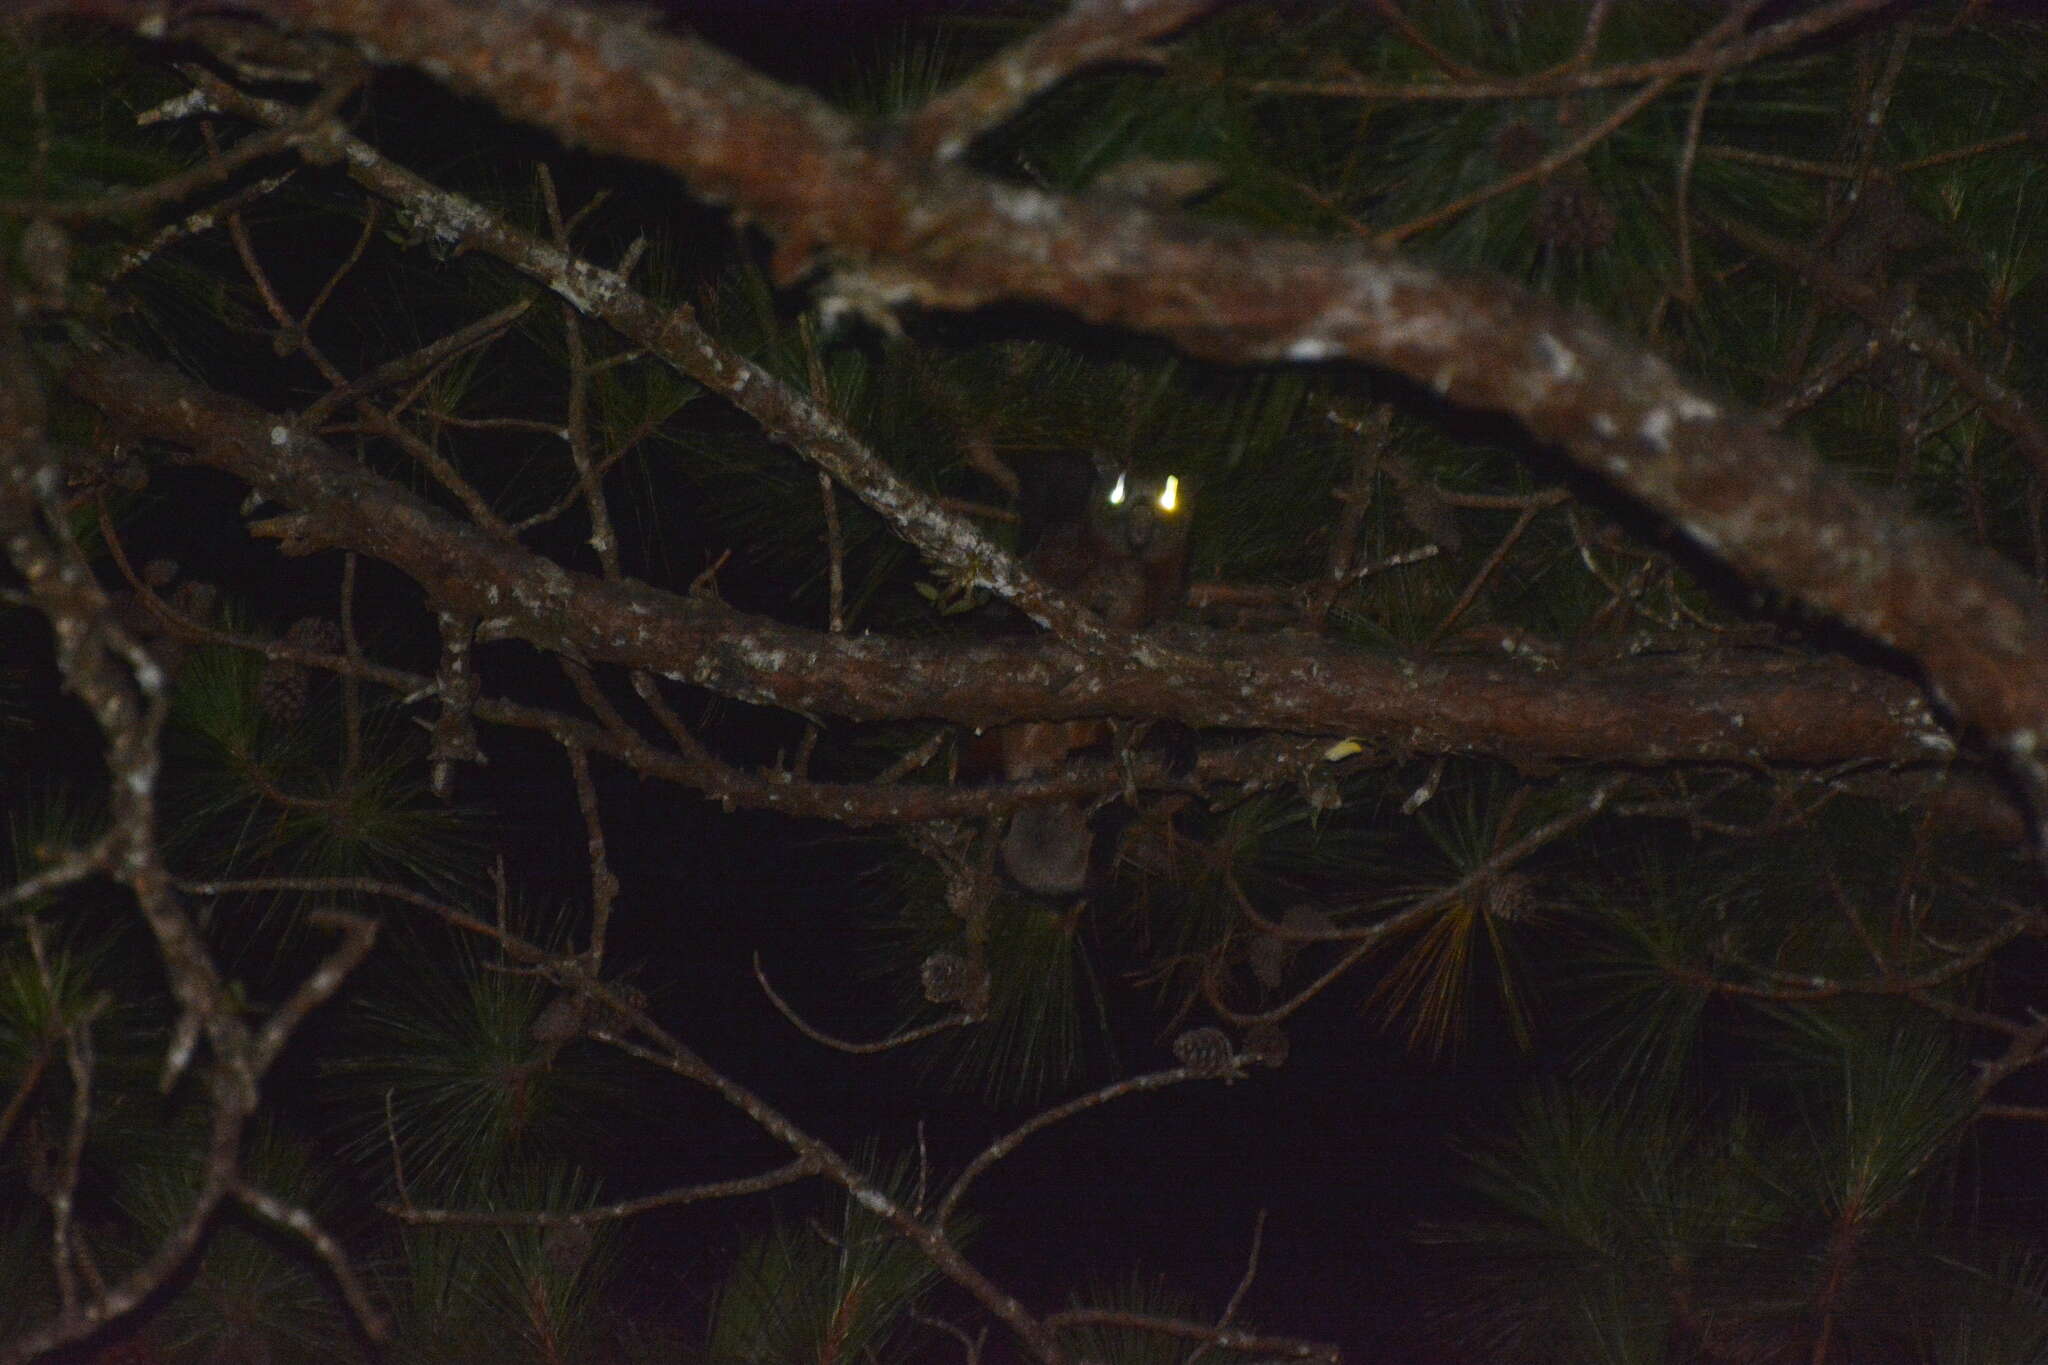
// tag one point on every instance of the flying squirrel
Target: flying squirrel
(1119, 548)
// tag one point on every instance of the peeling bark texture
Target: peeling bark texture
(890, 230)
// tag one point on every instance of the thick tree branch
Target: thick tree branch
(909, 231)
(672, 334)
(1678, 708)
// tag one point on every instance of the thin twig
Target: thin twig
(1290, 1347)
(1367, 937)
(1485, 571)
(212, 171)
(1090, 33)
(407, 1212)
(1571, 78)
(818, 1035)
(295, 1219)
(1244, 1284)
(604, 883)
(1010, 1141)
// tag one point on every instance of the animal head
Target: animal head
(1140, 515)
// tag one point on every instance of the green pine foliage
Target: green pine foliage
(255, 1293)
(800, 1294)
(1754, 998)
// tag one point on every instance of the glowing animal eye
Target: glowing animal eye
(1116, 494)
(1169, 496)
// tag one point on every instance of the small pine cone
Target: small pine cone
(194, 600)
(1206, 1052)
(1572, 215)
(1510, 897)
(953, 978)
(1266, 1044)
(281, 691)
(1268, 955)
(560, 1021)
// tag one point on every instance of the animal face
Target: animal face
(1143, 516)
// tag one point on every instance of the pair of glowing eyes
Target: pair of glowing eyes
(1168, 499)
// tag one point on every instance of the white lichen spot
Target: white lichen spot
(1935, 740)
(148, 676)
(1604, 425)
(872, 1201)
(1441, 381)
(1655, 430)
(1312, 348)
(1562, 360)
(1693, 408)
(587, 289)
(1032, 206)
(178, 107)
(2023, 743)
(280, 436)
